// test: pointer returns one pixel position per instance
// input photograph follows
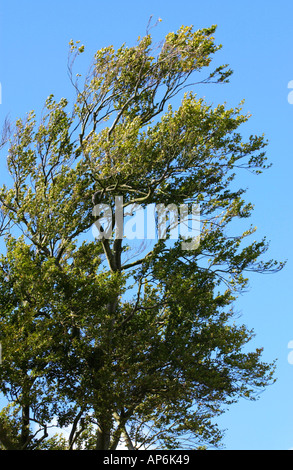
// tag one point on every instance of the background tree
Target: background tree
(142, 349)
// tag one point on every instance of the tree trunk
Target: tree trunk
(114, 260)
(25, 428)
(103, 437)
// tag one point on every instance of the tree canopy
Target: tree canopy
(114, 342)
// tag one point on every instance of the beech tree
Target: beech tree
(120, 343)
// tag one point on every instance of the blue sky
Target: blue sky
(257, 43)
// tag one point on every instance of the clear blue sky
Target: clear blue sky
(257, 43)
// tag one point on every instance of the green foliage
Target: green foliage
(148, 350)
